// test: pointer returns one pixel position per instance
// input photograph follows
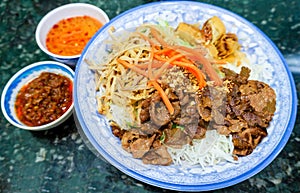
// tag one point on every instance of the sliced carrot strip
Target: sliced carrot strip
(132, 67)
(163, 96)
(166, 64)
(197, 57)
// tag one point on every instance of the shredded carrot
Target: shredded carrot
(165, 51)
(163, 96)
(160, 57)
(185, 63)
(166, 64)
(132, 67)
(74, 33)
(164, 56)
(194, 70)
(197, 57)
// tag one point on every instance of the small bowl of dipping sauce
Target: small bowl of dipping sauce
(64, 32)
(39, 96)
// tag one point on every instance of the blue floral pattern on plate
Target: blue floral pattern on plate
(267, 63)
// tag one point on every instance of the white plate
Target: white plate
(269, 66)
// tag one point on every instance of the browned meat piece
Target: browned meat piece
(218, 115)
(243, 109)
(158, 156)
(238, 107)
(205, 113)
(159, 113)
(189, 115)
(144, 114)
(128, 138)
(185, 100)
(177, 109)
(212, 104)
(117, 131)
(154, 114)
(246, 141)
(156, 144)
(204, 105)
(241, 146)
(235, 78)
(189, 110)
(222, 129)
(250, 107)
(141, 146)
(249, 89)
(183, 120)
(137, 144)
(254, 135)
(200, 132)
(177, 137)
(233, 126)
(253, 120)
(191, 130)
(149, 128)
(154, 109)
(263, 101)
(171, 95)
(237, 126)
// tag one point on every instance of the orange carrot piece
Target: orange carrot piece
(158, 57)
(194, 70)
(132, 67)
(166, 64)
(165, 51)
(163, 96)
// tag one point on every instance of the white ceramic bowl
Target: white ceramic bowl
(21, 78)
(64, 12)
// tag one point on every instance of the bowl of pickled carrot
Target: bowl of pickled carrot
(64, 32)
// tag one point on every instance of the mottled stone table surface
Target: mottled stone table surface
(58, 161)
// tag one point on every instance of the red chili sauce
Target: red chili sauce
(44, 99)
